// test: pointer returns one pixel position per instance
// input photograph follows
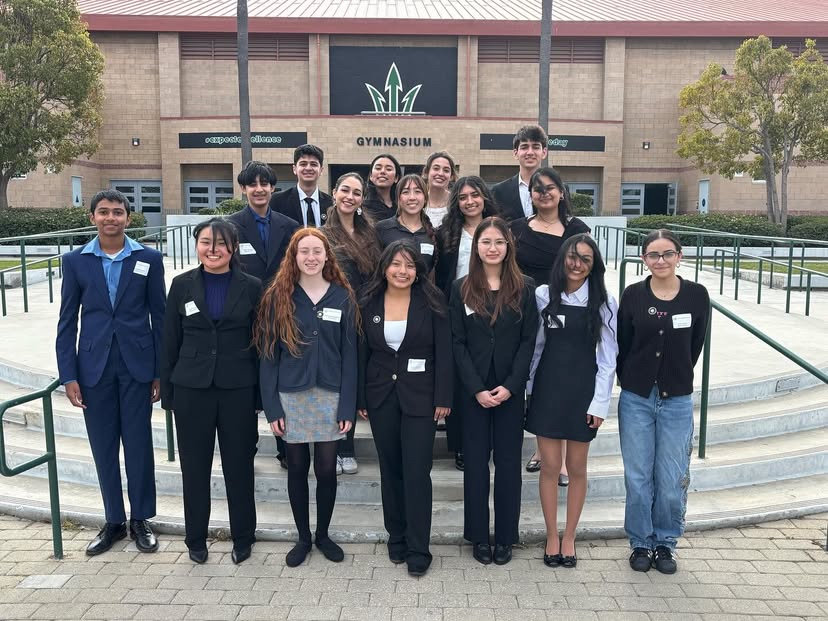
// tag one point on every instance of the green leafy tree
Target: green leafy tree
(50, 87)
(771, 114)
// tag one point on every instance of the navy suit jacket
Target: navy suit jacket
(264, 263)
(136, 319)
(288, 204)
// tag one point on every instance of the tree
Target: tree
(244, 82)
(50, 87)
(772, 113)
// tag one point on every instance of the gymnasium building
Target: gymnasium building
(362, 77)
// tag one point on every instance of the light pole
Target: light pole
(543, 67)
(244, 83)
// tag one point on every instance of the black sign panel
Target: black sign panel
(232, 140)
(394, 81)
(503, 142)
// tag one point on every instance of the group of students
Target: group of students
(409, 300)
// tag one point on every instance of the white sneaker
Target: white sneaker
(349, 465)
(338, 465)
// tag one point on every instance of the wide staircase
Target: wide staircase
(766, 439)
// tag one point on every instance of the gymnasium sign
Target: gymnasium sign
(557, 142)
(393, 81)
(232, 140)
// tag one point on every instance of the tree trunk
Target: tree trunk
(783, 203)
(4, 186)
(244, 83)
(543, 67)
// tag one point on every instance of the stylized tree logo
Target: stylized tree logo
(394, 87)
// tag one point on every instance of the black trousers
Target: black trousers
(454, 426)
(485, 430)
(201, 413)
(405, 447)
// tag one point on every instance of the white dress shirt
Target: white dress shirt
(304, 206)
(464, 251)
(525, 196)
(606, 352)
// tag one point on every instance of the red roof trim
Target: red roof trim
(144, 23)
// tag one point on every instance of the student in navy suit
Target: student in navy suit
(112, 373)
(513, 196)
(305, 203)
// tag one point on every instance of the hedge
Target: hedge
(797, 220)
(229, 206)
(729, 223)
(815, 229)
(17, 221)
(581, 204)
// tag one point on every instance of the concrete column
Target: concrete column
(614, 61)
(319, 90)
(467, 76)
(169, 74)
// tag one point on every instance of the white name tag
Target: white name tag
(190, 308)
(685, 320)
(141, 268)
(331, 314)
(427, 249)
(552, 324)
(246, 248)
(416, 365)
(469, 311)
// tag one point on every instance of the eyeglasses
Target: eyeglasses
(541, 189)
(653, 257)
(497, 243)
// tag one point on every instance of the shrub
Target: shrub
(15, 222)
(581, 204)
(208, 211)
(229, 206)
(815, 229)
(797, 220)
(728, 223)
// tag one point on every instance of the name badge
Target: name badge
(190, 308)
(469, 311)
(141, 268)
(416, 365)
(552, 324)
(427, 249)
(685, 320)
(331, 314)
(246, 248)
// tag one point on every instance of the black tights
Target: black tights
(324, 467)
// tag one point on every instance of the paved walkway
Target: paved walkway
(776, 570)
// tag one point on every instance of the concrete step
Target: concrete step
(29, 498)
(727, 465)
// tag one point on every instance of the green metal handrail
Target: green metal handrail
(49, 457)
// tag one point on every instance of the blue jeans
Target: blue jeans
(656, 442)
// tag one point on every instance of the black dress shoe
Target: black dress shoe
(482, 553)
(533, 465)
(459, 462)
(502, 554)
(198, 556)
(109, 534)
(145, 539)
(329, 549)
(552, 560)
(282, 461)
(298, 554)
(240, 554)
(418, 566)
(396, 553)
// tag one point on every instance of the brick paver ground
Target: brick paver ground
(777, 570)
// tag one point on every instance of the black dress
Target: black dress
(377, 208)
(536, 252)
(564, 380)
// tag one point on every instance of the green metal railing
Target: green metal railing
(49, 457)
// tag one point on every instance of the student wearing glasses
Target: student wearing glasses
(662, 322)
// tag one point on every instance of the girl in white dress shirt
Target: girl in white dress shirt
(572, 371)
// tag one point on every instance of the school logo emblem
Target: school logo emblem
(652, 310)
(393, 104)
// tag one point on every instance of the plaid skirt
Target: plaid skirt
(310, 415)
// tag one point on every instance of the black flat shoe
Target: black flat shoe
(482, 553)
(298, 554)
(459, 462)
(552, 560)
(533, 465)
(104, 540)
(282, 461)
(563, 480)
(241, 554)
(330, 550)
(396, 553)
(198, 556)
(418, 567)
(569, 561)
(145, 539)
(502, 554)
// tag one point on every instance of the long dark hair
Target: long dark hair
(452, 227)
(475, 288)
(364, 247)
(564, 208)
(225, 229)
(420, 183)
(378, 284)
(371, 192)
(597, 289)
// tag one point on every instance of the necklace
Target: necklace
(545, 223)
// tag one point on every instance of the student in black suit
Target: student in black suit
(263, 235)
(304, 203)
(405, 386)
(209, 377)
(493, 325)
(513, 195)
(469, 203)
(411, 222)
(380, 199)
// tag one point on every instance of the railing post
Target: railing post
(51, 289)
(737, 266)
(773, 254)
(721, 273)
(808, 297)
(187, 244)
(172, 237)
(24, 279)
(705, 387)
(181, 244)
(699, 244)
(3, 291)
(788, 279)
(170, 438)
(54, 491)
(759, 288)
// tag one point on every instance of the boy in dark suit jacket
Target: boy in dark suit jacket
(305, 202)
(513, 196)
(117, 285)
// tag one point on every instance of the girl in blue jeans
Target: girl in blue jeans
(661, 327)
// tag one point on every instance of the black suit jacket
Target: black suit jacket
(288, 204)
(381, 369)
(446, 267)
(508, 344)
(197, 351)
(264, 263)
(507, 197)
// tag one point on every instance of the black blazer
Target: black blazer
(381, 369)
(507, 197)
(198, 352)
(446, 267)
(288, 204)
(508, 344)
(264, 263)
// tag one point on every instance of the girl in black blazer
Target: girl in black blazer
(209, 379)
(405, 386)
(307, 337)
(493, 325)
(470, 201)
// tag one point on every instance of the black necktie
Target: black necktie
(311, 219)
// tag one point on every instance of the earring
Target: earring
(416, 278)
(359, 211)
(646, 269)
